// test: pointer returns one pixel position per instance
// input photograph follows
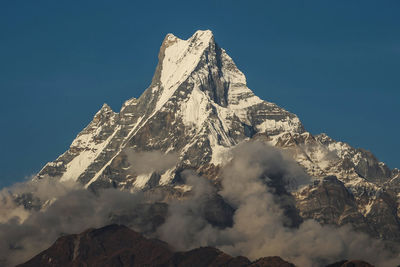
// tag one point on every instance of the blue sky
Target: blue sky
(333, 63)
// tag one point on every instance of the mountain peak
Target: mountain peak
(105, 109)
(197, 109)
(198, 63)
(199, 36)
(177, 60)
(202, 35)
(179, 57)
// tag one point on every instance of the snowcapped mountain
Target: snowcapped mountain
(198, 106)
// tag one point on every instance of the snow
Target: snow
(287, 125)
(131, 132)
(221, 154)
(194, 111)
(341, 149)
(84, 140)
(54, 164)
(104, 108)
(233, 75)
(85, 158)
(240, 101)
(79, 164)
(220, 144)
(129, 102)
(167, 176)
(141, 180)
(208, 119)
(180, 59)
(368, 208)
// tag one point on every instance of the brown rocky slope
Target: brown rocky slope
(118, 246)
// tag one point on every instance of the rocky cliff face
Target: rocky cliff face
(198, 106)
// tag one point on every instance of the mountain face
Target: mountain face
(198, 107)
(118, 246)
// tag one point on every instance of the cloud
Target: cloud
(11, 210)
(247, 215)
(259, 221)
(150, 161)
(71, 209)
(20, 197)
(186, 226)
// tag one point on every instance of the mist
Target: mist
(255, 183)
(259, 221)
(67, 208)
(149, 161)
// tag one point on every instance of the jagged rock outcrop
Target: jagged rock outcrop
(330, 202)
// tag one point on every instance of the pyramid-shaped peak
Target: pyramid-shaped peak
(105, 109)
(201, 38)
(178, 58)
(198, 36)
(202, 35)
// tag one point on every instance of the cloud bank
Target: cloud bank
(255, 184)
(258, 229)
(67, 208)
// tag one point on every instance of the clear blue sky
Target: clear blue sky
(334, 63)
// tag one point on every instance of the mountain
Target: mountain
(117, 245)
(197, 108)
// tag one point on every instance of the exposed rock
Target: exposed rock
(271, 262)
(199, 106)
(330, 202)
(112, 245)
(117, 245)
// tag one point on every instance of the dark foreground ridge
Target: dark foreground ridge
(118, 246)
